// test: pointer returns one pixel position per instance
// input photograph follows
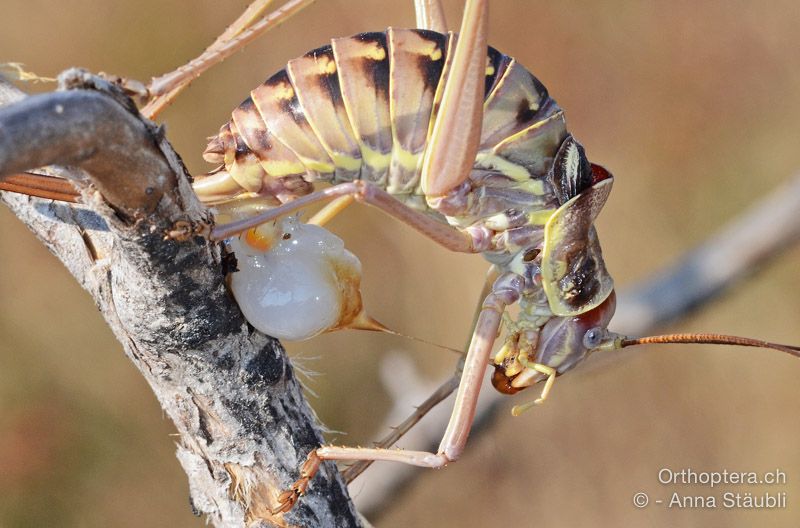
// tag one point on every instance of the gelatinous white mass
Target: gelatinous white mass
(303, 284)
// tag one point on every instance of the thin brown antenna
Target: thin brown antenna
(710, 339)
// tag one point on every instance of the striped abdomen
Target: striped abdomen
(363, 108)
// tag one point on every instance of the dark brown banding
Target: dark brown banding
(274, 157)
(283, 114)
(376, 69)
(496, 65)
(363, 107)
(315, 79)
(242, 150)
(524, 111)
(289, 105)
(431, 70)
(328, 81)
(362, 63)
(541, 89)
(504, 114)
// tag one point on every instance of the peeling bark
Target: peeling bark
(244, 425)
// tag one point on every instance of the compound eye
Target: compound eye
(593, 337)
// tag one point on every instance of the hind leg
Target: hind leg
(505, 291)
(430, 15)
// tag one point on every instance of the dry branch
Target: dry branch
(243, 423)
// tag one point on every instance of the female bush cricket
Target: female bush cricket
(396, 117)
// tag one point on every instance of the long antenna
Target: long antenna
(712, 339)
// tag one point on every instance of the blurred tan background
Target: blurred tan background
(695, 109)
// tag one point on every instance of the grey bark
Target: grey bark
(244, 425)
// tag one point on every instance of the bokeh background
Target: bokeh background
(695, 107)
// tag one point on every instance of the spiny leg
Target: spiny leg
(246, 28)
(505, 291)
(439, 395)
(249, 16)
(430, 15)
(445, 235)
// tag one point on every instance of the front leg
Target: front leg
(506, 290)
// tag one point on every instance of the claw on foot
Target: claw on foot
(289, 498)
(184, 230)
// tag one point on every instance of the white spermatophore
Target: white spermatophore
(296, 280)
